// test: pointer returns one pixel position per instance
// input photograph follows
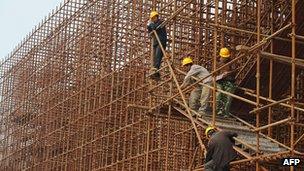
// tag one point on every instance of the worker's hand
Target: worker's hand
(149, 23)
(219, 77)
(225, 74)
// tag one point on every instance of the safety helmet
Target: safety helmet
(224, 53)
(186, 61)
(208, 129)
(153, 14)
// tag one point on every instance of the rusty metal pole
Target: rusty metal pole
(293, 70)
(214, 64)
(181, 93)
(257, 166)
(170, 92)
(270, 72)
(147, 145)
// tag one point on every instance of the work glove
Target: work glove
(149, 22)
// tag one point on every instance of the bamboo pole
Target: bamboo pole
(270, 71)
(181, 93)
(261, 157)
(273, 124)
(293, 70)
(299, 139)
(193, 158)
(214, 64)
(299, 37)
(270, 100)
(267, 37)
(258, 61)
(283, 59)
(170, 93)
(269, 105)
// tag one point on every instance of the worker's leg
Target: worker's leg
(229, 87)
(157, 57)
(204, 99)
(219, 98)
(226, 168)
(194, 98)
(209, 166)
(156, 64)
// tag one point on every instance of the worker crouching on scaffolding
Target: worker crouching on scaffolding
(219, 152)
(199, 96)
(227, 83)
(153, 24)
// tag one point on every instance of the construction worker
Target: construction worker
(153, 24)
(219, 151)
(227, 84)
(199, 96)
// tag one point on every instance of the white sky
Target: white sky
(18, 18)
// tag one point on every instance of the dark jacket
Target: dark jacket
(162, 34)
(229, 77)
(220, 148)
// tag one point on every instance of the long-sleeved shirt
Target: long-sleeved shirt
(220, 148)
(196, 71)
(162, 33)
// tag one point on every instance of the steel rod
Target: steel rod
(270, 105)
(180, 92)
(273, 124)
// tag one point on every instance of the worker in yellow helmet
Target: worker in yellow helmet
(227, 83)
(199, 96)
(220, 150)
(224, 53)
(155, 24)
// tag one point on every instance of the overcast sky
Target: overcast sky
(18, 18)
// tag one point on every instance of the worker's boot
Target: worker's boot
(154, 74)
(157, 76)
(152, 71)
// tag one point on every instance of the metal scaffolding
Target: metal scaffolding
(75, 93)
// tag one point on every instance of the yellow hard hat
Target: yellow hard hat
(153, 14)
(209, 128)
(224, 53)
(186, 61)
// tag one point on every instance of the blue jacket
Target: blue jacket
(162, 34)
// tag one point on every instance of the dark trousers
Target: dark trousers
(158, 55)
(210, 166)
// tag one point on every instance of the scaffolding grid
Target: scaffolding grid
(75, 93)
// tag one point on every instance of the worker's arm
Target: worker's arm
(152, 26)
(188, 76)
(228, 73)
(186, 82)
(210, 151)
(219, 77)
(231, 135)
